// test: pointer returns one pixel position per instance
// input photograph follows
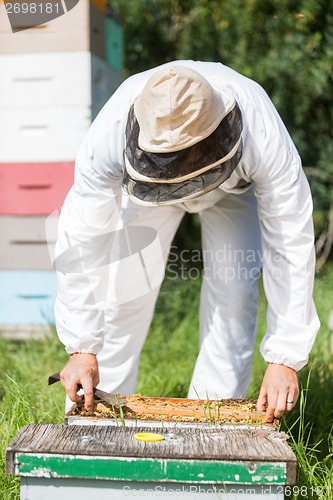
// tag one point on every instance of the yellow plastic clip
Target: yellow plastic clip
(148, 437)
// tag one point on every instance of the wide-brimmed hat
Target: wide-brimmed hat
(183, 138)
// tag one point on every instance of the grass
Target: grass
(166, 365)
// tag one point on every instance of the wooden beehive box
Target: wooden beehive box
(80, 461)
(79, 29)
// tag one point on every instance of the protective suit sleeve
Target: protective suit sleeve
(285, 214)
(89, 211)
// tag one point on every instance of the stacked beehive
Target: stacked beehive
(54, 80)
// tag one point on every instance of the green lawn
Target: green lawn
(26, 398)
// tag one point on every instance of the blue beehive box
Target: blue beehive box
(114, 42)
(27, 297)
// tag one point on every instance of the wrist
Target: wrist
(282, 367)
(80, 353)
(78, 348)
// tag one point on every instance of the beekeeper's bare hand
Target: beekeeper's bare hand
(279, 391)
(81, 369)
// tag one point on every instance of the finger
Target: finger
(72, 393)
(96, 379)
(70, 387)
(262, 400)
(272, 402)
(289, 404)
(87, 385)
(281, 404)
(291, 400)
(269, 414)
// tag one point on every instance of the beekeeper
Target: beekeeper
(187, 137)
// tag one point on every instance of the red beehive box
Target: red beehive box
(34, 188)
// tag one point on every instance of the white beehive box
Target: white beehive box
(47, 102)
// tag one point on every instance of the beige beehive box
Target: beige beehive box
(80, 29)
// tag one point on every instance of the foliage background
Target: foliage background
(285, 45)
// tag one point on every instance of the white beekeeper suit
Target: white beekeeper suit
(254, 204)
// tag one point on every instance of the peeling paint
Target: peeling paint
(42, 472)
(252, 468)
(149, 469)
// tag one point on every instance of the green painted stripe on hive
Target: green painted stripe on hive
(136, 469)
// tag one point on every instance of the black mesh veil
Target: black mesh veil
(157, 193)
(152, 178)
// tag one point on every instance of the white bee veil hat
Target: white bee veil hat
(183, 138)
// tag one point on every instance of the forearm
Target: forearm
(79, 324)
(288, 275)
